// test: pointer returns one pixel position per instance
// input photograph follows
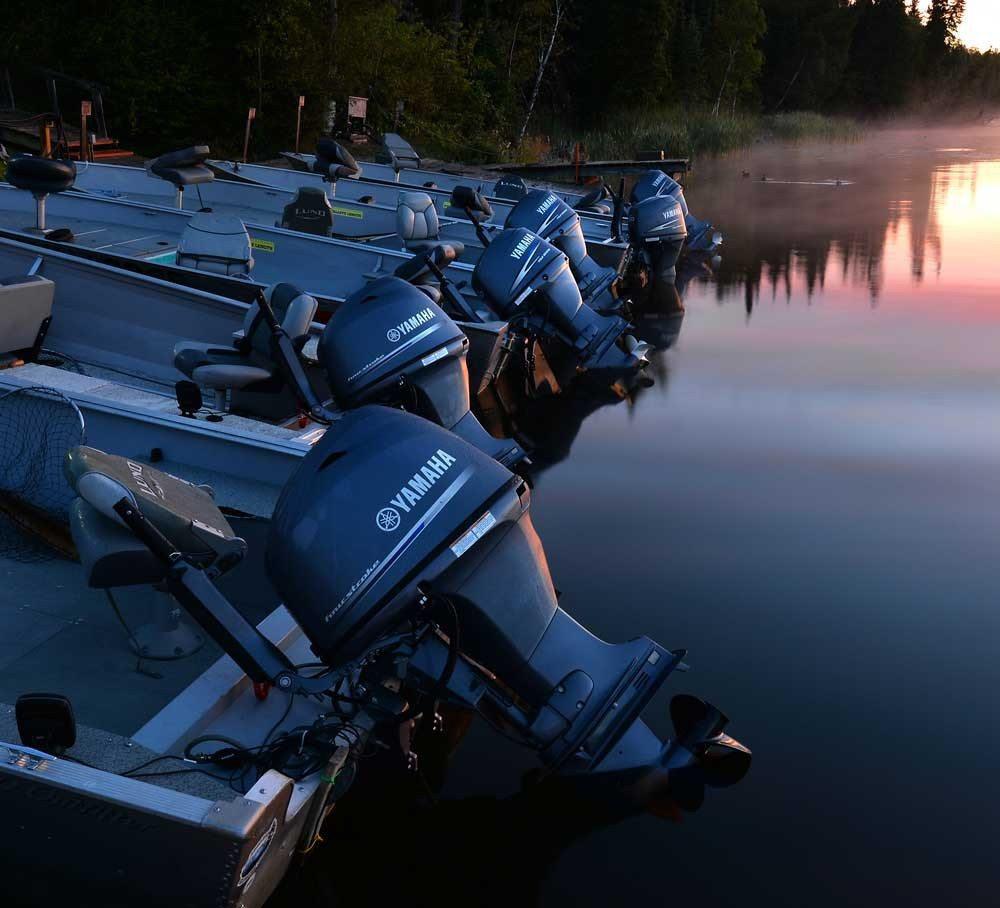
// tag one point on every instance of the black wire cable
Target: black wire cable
(122, 621)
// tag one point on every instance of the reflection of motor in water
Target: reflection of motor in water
(469, 851)
(548, 426)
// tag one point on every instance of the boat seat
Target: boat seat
(334, 161)
(308, 212)
(184, 513)
(398, 152)
(217, 243)
(40, 176)
(417, 270)
(25, 310)
(471, 203)
(510, 187)
(183, 168)
(418, 226)
(594, 202)
(249, 366)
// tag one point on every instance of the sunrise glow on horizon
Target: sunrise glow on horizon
(981, 26)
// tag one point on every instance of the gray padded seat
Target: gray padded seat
(308, 212)
(217, 243)
(417, 223)
(183, 168)
(249, 366)
(184, 513)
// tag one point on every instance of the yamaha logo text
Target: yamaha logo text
(388, 519)
(525, 243)
(547, 203)
(410, 324)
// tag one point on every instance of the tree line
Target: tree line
(477, 79)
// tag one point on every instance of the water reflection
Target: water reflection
(883, 226)
(547, 426)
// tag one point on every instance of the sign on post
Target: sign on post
(357, 108)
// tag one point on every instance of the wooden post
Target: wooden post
(85, 111)
(251, 115)
(45, 139)
(298, 120)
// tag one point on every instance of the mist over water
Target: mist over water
(807, 500)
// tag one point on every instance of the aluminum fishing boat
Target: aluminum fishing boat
(181, 180)
(597, 228)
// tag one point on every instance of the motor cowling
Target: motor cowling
(545, 214)
(657, 228)
(389, 339)
(384, 502)
(520, 272)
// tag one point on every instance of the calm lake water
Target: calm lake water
(809, 501)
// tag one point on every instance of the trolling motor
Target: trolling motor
(409, 560)
(334, 162)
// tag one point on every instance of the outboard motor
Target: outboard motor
(527, 282)
(548, 216)
(390, 343)
(409, 560)
(334, 161)
(389, 521)
(701, 236)
(182, 168)
(40, 177)
(657, 231)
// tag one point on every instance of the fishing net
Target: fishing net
(37, 427)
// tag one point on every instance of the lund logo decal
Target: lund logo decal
(522, 247)
(410, 324)
(410, 494)
(149, 486)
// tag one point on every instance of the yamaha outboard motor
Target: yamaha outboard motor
(391, 343)
(528, 282)
(390, 521)
(657, 230)
(334, 161)
(545, 214)
(702, 236)
(408, 558)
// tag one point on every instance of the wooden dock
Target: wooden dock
(23, 131)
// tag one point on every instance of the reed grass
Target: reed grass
(693, 133)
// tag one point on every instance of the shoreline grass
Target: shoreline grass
(693, 133)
